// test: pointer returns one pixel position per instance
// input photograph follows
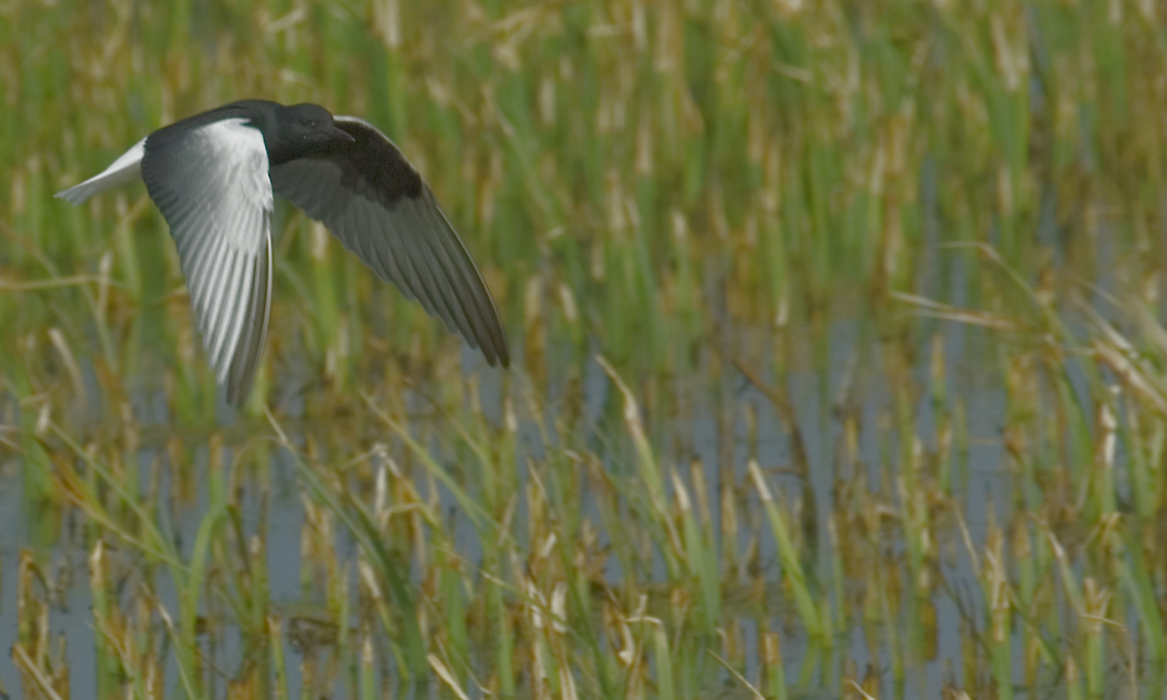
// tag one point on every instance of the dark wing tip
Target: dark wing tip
(485, 325)
(500, 352)
(495, 348)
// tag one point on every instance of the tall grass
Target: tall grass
(677, 206)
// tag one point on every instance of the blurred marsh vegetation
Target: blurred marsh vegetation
(839, 349)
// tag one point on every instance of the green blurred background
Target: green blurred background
(623, 171)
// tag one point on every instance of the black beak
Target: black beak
(342, 135)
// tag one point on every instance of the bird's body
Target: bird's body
(213, 176)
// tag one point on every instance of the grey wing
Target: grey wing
(212, 186)
(373, 200)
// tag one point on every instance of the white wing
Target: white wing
(212, 185)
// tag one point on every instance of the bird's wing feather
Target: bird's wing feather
(374, 201)
(212, 185)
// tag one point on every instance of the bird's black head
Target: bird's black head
(304, 130)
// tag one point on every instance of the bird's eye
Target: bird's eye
(310, 123)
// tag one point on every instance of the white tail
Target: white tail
(124, 170)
